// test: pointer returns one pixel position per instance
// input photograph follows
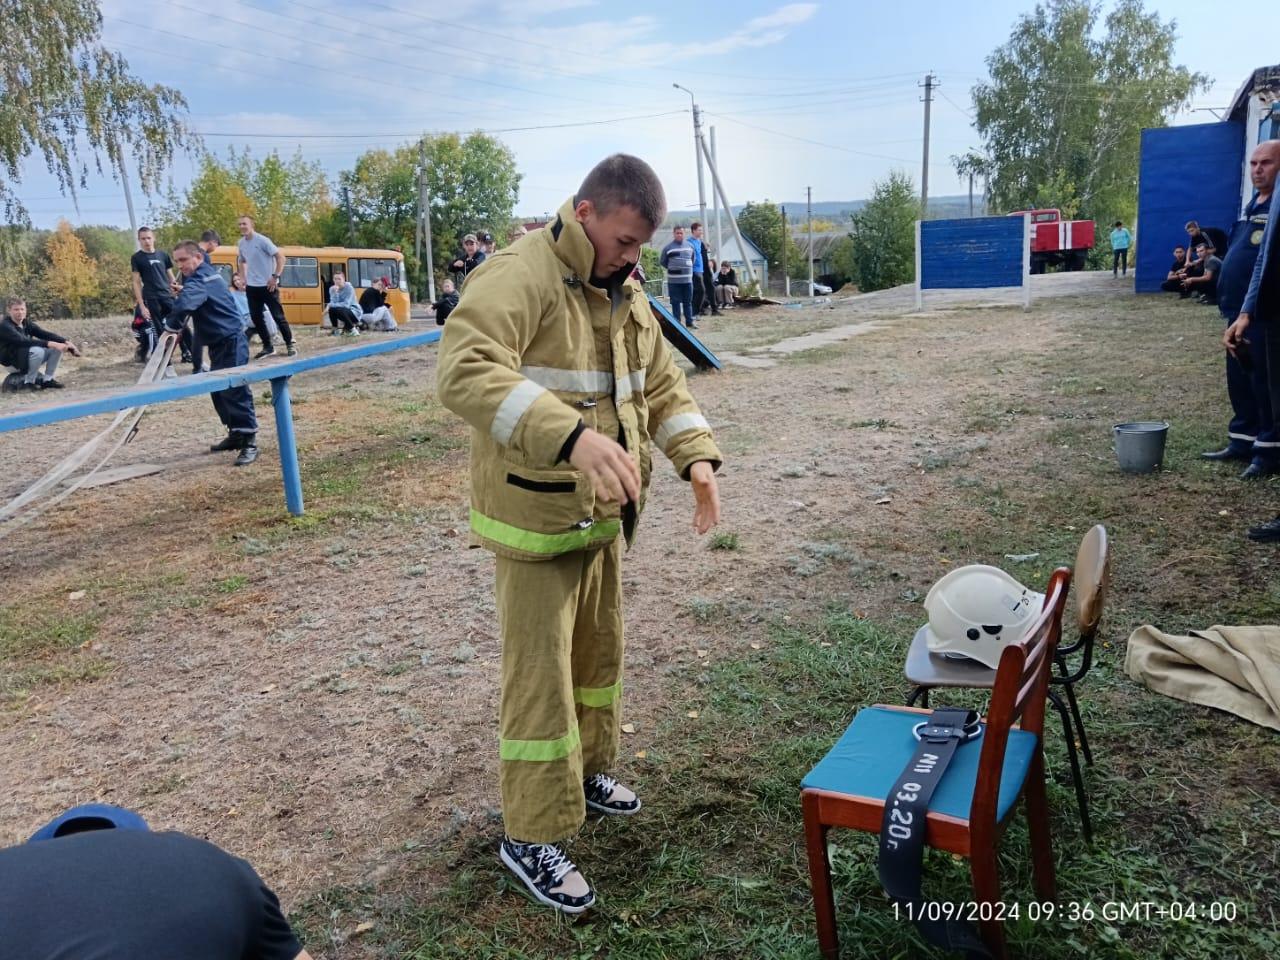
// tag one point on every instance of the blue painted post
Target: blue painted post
(288, 444)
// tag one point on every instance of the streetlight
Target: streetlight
(697, 153)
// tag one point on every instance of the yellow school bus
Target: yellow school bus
(308, 275)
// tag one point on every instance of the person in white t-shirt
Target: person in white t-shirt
(261, 264)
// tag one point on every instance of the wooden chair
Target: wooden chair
(1092, 578)
(975, 800)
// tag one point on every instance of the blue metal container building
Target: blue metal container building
(1200, 172)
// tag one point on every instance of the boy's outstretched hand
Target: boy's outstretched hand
(706, 496)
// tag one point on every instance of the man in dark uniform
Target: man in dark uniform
(206, 297)
(97, 884)
(1251, 435)
(1261, 311)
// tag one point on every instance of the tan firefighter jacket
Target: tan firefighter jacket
(533, 349)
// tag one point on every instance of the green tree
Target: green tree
(73, 102)
(472, 185)
(761, 223)
(884, 236)
(289, 200)
(73, 275)
(213, 201)
(844, 263)
(1062, 113)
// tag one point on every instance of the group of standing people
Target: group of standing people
(694, 285)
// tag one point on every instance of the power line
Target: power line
(817, 143)
(967, 113)
(418, 133)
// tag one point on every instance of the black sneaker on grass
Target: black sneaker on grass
(265, 352)
(548, 874)
(607, 795)
(230, 442)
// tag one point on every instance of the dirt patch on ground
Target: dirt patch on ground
(319, 695)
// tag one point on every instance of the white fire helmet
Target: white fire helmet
(977, 611)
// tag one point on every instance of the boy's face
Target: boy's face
(616, 236)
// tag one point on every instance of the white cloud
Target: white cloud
(521, 10)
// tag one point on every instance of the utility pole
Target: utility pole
(423, 228)
(351, 227)
(714, 201)
(929, 83)
(786, 242)
(697, 150)
(724, 202)
(808, 203)
(128, 197)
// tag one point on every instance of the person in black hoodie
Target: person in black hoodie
(471, 257)
(25, 346)
(448, 300)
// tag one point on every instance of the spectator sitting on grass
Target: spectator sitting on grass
(1205, 283)
(1177, 271)
(726, 284)
(26, 347)
(375, 314)
(448, 300)
(343, 308)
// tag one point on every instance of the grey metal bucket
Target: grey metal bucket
(1140, 445)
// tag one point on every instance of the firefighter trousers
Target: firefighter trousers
(561, 623)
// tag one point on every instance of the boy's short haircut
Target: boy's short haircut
(695, 225)
(211, 236)
(622, 180)
(1191, 225)
(190, 246)
(142, 230)
(14, 301)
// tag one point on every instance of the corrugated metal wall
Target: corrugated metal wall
(976, 252)
(1185, 173)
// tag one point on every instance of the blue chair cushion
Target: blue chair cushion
(867, 760)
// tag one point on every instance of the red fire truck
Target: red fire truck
(1056, 242)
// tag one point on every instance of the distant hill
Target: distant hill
(939, 208)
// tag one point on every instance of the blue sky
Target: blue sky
(822, 94)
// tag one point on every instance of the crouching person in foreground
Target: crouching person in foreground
(555, 360)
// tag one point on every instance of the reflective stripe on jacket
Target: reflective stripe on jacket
(532, 349)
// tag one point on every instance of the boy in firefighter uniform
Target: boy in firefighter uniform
(555, 360)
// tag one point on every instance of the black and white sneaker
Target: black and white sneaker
(549, 875)
(607, 795)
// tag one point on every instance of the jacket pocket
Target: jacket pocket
(541, 486)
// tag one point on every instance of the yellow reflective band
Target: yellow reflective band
(522, 396)
(597, 696)
(678, 424)
(540, 751)
(548, 543)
